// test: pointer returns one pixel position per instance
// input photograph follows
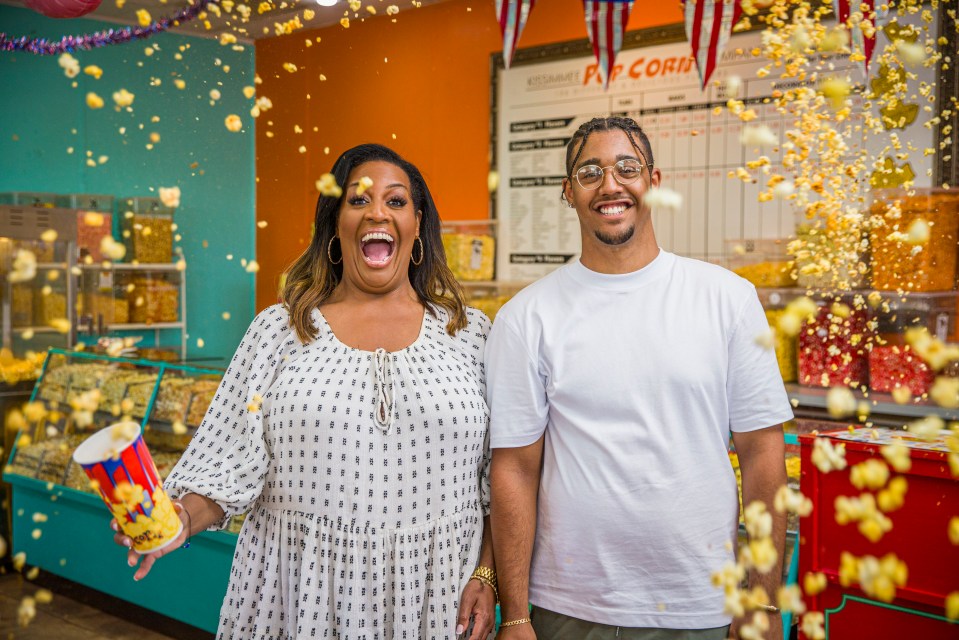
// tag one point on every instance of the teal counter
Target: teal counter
(76, 543)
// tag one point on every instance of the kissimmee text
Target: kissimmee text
(642, 68)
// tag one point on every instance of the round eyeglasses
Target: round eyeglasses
(627, 171)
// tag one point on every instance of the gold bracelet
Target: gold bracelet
(513, 623)
(488, 577)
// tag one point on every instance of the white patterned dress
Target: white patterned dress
(358, 528)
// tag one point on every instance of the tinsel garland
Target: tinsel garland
(43, 47)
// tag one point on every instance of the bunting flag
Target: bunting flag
(859, 42)
(606, 21)
(512, 15)
(709, 24)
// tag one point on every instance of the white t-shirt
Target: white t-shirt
(637, 380)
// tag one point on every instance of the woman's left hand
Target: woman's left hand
(479, 604)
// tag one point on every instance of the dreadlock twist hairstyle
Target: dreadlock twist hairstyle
(629, 126)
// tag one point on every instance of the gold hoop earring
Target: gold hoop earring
(422, 251)
(329, 251)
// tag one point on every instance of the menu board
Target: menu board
(539, 104)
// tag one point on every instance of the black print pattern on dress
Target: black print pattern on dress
(350, 533)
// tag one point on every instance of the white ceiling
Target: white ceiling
(258, 26)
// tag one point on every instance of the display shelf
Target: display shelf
(132, 326)
(129, 266)
(52, 265)
(38, 329)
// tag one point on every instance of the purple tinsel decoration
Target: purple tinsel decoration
(43, 47)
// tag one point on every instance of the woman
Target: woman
(352, 425)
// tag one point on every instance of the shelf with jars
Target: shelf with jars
(76, 289)
(77, 394)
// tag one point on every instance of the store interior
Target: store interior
(139, 298)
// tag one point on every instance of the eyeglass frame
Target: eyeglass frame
(642, 164)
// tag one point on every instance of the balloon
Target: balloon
(63, 8)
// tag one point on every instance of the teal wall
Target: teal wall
(42, 114)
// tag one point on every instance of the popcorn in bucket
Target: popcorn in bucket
(121, 469)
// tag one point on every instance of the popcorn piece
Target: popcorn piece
(227, 38)
(94, 101)
(345, 23)
(93, 70)
(894, 496)
(766, 339)
(143, 17)
(788, 499)
(761, 136)
(19, 559)
(215, 94)
(827, 457)
(43, 596)
(233, 123)
(124, 431)
(812, 626)
(952, 606)
(26, 611)
(249, 92)
(814, 583)
(897, 455)
(954, 530)
(364, 183)
(945, 392)
(492, 181)
(392, 10)
(927, 428)
(870, 474)
(790, 599)
(840, 402)
(761, 555)
(327, 186)
(902, 395)
(836, 90)
(69, 64)
(179, 83)
(784, 189)
(170, 196)
(290, 67)
(200, 343)
(663, 198)
(179, 428)
(123, 98)
(918, 233)
(112, 249)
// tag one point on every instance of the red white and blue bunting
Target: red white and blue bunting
(512, 16)
(606, 21)
(709, 24)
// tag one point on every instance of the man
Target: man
(614, 384)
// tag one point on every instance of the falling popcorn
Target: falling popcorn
(902, 395)
(26, 611)
(918, 233)
(790, 599)
(952, 606)
(215, 94)
(840, 402)
(290, 67)
(233, 123)
(69, 64)
(492, 181)
(24, 266)
(788, 499)
(143, 17)
(870, 474)
(123, 98)
(827, 457)
(663, 198)
(814, 583)
(364, 183)
(179, 428)
(894, 496)
(179, 83)
(124, 431)
(761, 136)
(327, 186)
(170, 196)
(945, 392)
(812, 626)
(93, 70)
(784, 189)
(112, 249)
(766, 339)
(200, 343)
(94, 101)
(252, 266)
(392, 10)
(927, 428)
(897, 455)
(249, 92)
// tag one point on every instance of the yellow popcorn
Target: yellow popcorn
(927, 428)
(345, 23)
(918, 233)
(290, 67)
(200, 343)
(902, 395)
(308, 14)
(36, 534)
(954, 530)
(897, 455)
(492, 181)
(840, 402)
(756, 628)
(124, 431)
(952, 606)
(143, 17)
(761, 555)
(19, 559)
(179, 428)
(94, 101)
(870, 474)
(227, 38)
(894, 496)
(123, 98)
(836, 90)
(827, 457)
(814, 583)
(226, 315)
(179, 83)
(327, 186)
(93, 70)
(364, 183)
(945, 392)
(233, 123)
(759, 522)
(249, 92)
(790, 600)
(392, 10)
(26, 611)
(69, 64)
(758, 136)
(43, 596)
(112, 249)
(788, 499)
(812, 626)
(169, 196)
(252, 266)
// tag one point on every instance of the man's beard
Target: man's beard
(614, 240)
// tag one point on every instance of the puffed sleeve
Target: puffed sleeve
(228, 458)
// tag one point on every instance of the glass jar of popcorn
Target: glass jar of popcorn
(147, 230)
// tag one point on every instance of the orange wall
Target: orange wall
(423, 79)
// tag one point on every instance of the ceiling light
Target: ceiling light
(326, 3)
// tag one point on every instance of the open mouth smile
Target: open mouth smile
(613, 209)
(377, 248)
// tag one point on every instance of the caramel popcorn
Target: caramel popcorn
(233, 123)
(94, 101)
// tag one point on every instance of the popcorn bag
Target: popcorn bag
(121, 469)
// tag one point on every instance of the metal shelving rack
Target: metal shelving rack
(28, 223)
